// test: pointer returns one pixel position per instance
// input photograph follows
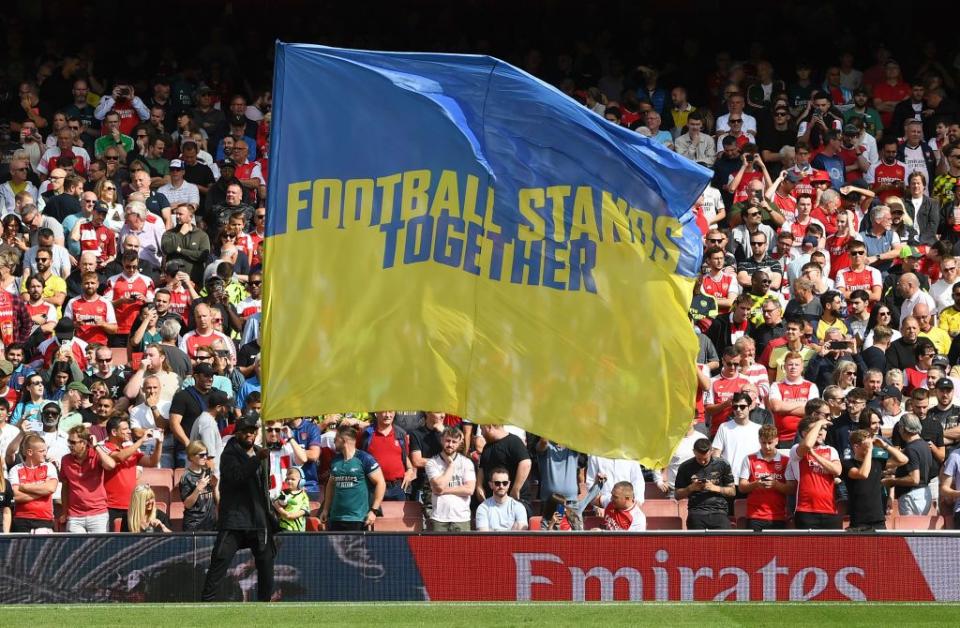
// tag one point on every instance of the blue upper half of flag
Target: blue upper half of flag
(348, 114)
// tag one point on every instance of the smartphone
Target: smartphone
(840, 344)
(561, 509)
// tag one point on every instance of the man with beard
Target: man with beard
(245, 519)
(186, 406)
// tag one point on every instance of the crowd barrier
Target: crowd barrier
(547, 566)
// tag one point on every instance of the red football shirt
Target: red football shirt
(123, 287)
(765, 503)
(814, 484)
(84, 314)
(83, 482)
(121, 480)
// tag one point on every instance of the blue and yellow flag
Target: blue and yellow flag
(447, 232)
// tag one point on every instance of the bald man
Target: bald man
(909, 287)
(925, 320)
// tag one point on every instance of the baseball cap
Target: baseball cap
(944, 383)
(941, 361)
(890, 391)
(248, 421)
(851, 129)
(6, 368)
(100, 207)
(64, 329)
(811, 240)
(702, 446)
(176, 164)
(172, 268)
(80, 387)
(793, 177)
(217, 398)
(228, 163)
(203, 369)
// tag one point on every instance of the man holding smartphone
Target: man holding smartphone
(707, 484)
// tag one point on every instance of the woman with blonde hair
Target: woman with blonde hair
(106, 191)
(142, 515)
(845, 376)
(9, 260)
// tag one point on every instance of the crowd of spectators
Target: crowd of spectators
(133, 213)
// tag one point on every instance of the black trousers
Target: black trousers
(817, 521)
(707, 521)
(225, 548)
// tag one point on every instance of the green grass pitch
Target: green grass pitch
(396, 615)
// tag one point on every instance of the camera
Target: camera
(124, 92)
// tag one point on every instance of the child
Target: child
(293, 505)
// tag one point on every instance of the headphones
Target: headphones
(301, 481)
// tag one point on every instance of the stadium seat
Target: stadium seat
(650, 491)
(120, 356)
(918, 522)
(534, 522)
(313, 524)
(682, 511)
(177, 474)
(157, 477)
(740, 513)
(176, 516)
(400, 516)
(315, 507)
(593, 523)
(398, 524)
(660, 508)
(664, 523)
(117, 524)
(162, 494)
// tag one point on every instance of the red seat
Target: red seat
(177, 474)
(120, 356)
(117, 524)
(593, 523)
(157, 477)
(660, 508)
(162, 495)
(176, 516)
(918, 522)
(315, 506)
(398, 524)
(740, 513)
(534, 522)
(313, 524)
(664, 523)
(651, 491)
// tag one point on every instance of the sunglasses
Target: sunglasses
(51, 414)
(758, 244)
(260, 216)
(74, 442)
(501, 483)
(740, 406)
(715, 240)
(111, 157)
(738, 121)
(857, 253)
(254, 283)
(203, 454)
(276, 430)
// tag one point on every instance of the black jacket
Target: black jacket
(244, 499)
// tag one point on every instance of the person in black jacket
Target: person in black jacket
(245, 519)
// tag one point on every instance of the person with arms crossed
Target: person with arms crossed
(452, 481)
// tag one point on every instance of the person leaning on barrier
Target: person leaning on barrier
(500, 512)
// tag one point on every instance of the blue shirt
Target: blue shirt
(252, 384)
(308, 435)
(833, 166)
(501, 517)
